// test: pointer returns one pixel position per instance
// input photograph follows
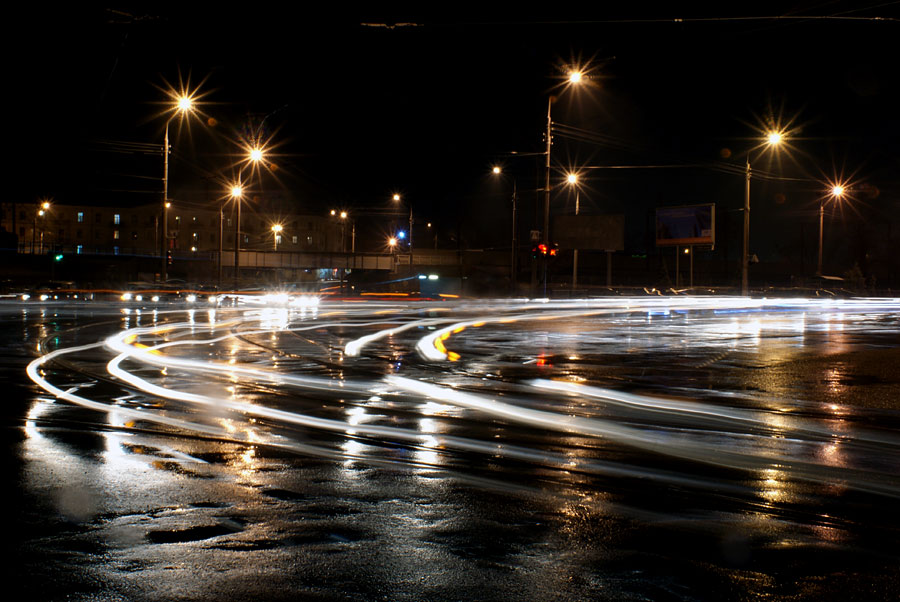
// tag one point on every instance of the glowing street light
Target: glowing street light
(184, 104)
(237, 191)
(575, 77)
(572, 180)
(40, 213)
(496, 170)
(276, 234)
(256, 154)
(396, 198)
(773, 138)
(835, 194)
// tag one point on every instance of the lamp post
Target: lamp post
(276, 234)
(574, 78)
(773, 139)
(837, 191)
(572, 180)
(496, 170)
(184, 105)
(236, 192)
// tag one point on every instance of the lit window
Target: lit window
(78, 249)
(80, 217)
(309, 240)
(116, 234)
(115, 250)
(177, 219)
(278, 239)
(246, 238)
(117, 219)
(294, 239)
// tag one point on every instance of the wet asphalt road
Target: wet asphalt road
(624, 449)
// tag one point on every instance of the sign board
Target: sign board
(687, 225)
(590, 232)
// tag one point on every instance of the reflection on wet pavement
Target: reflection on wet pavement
(676, 448)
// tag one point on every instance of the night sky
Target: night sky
(358, 112)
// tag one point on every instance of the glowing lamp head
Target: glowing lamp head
(277, 228)
(774, 138)
(185, 104)
(575, 77)
(496, 169)
(237, 191)
(256, 155)
(333, 212)
(392, 242)
(572, 178)
(396, 197)
(343, 215)
(837, 191)
(41, 213)
(45, 205)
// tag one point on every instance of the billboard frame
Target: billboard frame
(691, 241)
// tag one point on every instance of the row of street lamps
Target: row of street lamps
(185, 105)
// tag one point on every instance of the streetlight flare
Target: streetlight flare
(496, 169)
(396, 197)
(774, 138)
(837, 190)
(256, 155)
(343, 215)
(572, 178)
(277, 228)
(237, 191)
(575, 76)
(392, 241)
(185, 104)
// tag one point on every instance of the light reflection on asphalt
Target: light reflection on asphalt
(597, 403)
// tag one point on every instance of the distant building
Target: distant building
(85, 229)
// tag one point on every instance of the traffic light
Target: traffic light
(542, 250)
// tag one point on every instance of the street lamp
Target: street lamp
(836, 193)
(184, 104)
(513, 244)
(773, 139)
(45, 206)
(237, 192)
(572, 180)
(276, 234)
(575, 77)
(396, 197)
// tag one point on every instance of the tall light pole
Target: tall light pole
(184, 105)
(497, 170)
(773, 139)
(572, 180)
(396, 198)
(236, 192)
(837, 191)
(575, 77)
(276, 234)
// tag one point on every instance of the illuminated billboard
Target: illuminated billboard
(687, 225)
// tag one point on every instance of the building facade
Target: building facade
(191, 229)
